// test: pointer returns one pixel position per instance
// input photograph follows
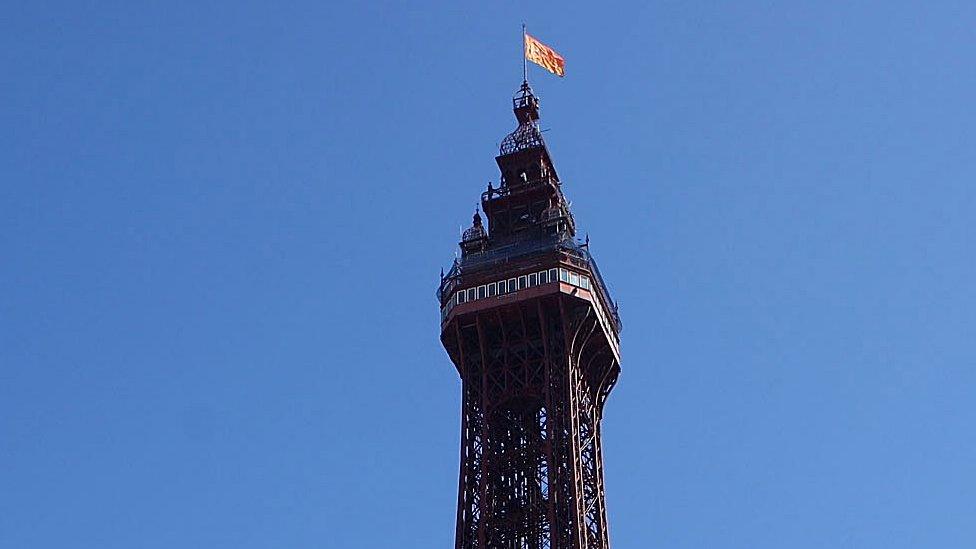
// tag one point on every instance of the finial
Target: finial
(442, 273)
(587, 239)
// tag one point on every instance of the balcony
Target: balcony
(578, 253)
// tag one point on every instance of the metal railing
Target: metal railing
(582, 251)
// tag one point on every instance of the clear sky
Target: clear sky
(221, 227)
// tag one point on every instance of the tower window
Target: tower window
(491, 290)
(483, 291)
(585, 282)
(564, 275)
(552, 275)
(574, 279)
(471, 294)
(521, 282)
(543, 277)
(511, 285)
(533, 280)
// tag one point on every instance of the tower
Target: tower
(534, 334)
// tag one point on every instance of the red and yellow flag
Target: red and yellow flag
(544, 56)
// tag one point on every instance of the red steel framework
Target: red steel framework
(534, 334)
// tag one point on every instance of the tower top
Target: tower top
(525, 104)
(526, 107)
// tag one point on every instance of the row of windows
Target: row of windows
(518, 283)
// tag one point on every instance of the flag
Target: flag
(544, 56)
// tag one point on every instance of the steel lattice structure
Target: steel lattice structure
(530, 325)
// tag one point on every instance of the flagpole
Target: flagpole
(525, 67)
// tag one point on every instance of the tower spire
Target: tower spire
(525, 105)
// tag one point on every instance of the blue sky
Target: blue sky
(222, 224)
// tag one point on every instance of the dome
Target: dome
(526, 136)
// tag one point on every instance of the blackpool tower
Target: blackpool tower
(534, 334)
